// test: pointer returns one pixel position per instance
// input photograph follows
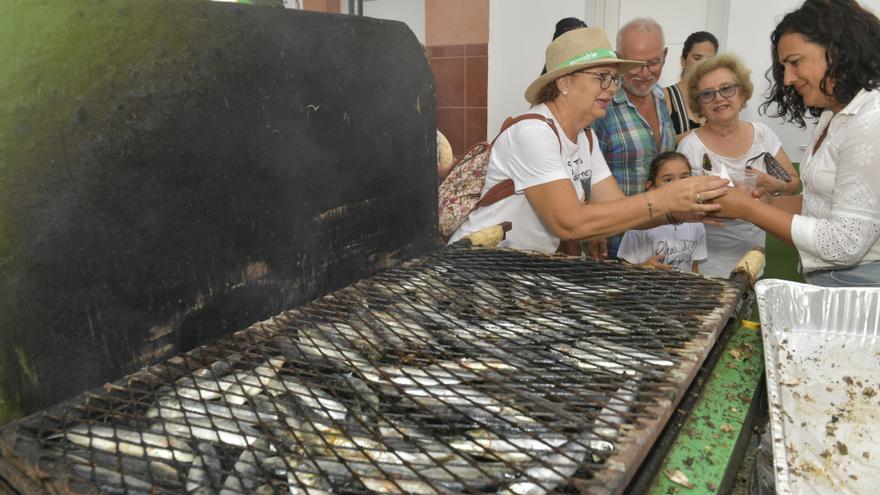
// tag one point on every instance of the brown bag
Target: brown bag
(459, 193)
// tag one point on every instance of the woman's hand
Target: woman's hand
(697, 217)
(655, 262)
(765, 181)
(597, 249)
(766, 184)
(735, 204)
(694, 194)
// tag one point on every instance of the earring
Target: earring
(564, 92)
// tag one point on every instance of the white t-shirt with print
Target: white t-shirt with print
(728, 243)
(680, 245)
(528, 152)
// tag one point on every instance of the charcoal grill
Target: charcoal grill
(465, 370)
(228, 179)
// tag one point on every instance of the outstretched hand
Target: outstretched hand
(694, 194)
(735, 204)
(597, 249)
(698, 217)
(655, 262)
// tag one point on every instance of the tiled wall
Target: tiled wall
(460, 77)
(322, 5)
(456, 22)
(457, 33)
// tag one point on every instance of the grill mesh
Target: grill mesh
(467, 370)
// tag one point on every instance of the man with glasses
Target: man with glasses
(637, 126)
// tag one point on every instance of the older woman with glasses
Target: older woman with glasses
(561, 186)
(698, 46)
(726, 146)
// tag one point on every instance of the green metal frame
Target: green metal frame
(709, 447)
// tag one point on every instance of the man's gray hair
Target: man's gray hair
(645, 24)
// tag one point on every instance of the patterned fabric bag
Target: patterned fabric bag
(459, 193)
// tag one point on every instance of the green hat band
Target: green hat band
(587, 57)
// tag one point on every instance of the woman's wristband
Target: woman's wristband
(672, 220)
(650, 207)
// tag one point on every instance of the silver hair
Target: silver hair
(645, 24)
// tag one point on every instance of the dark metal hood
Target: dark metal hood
(172, 171)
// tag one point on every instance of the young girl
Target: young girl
(669, 247)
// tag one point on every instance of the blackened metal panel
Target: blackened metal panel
(172, 171)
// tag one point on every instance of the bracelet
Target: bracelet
(650, 207)
(781, 189)
(672, 220)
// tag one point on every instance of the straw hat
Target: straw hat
(576, 50)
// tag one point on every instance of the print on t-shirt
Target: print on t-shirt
(586, 178)
(680, 253)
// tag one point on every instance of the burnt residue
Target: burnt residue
(460, 371)
(181, 188)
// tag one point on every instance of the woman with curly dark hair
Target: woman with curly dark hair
(826, 63)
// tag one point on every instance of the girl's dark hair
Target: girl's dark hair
(660, 160)
(850, 35)
(698, 37)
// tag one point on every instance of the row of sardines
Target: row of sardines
(380, 396)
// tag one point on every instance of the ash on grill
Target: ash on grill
(466, 370)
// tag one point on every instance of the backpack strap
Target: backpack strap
(509, 121)
(505, 188)
(496, 193)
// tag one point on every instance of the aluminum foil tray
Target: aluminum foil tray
(822, 353)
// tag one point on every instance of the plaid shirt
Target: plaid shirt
(628, 144)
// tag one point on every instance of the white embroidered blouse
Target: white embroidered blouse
(839, 224)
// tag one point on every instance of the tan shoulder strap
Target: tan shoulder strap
(509, 121)
(505, 188)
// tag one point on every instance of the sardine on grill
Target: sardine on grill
(173, 408)
(157, 472)
(110, 479)
(552, 469)
(217, 430)
(203, 476)
(247, 472)
(138, 444)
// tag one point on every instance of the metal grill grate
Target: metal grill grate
(467, 370)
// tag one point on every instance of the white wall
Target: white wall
(679, 19)
(411, 12)
(519, 32)
(749, 38)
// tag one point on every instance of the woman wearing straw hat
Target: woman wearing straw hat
(563, 187)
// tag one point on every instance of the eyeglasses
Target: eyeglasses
(726, 90)
(605, 78)
(651, 65)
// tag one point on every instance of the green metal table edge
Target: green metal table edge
(710, 444)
